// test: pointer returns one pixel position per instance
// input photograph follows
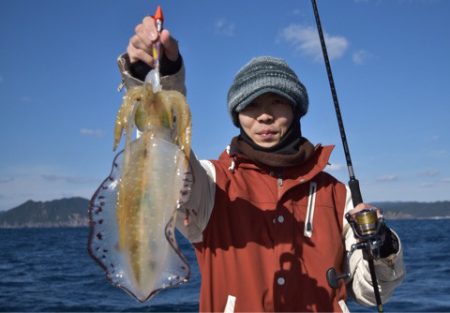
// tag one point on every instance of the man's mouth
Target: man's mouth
(266, 133)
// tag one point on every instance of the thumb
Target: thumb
(170, 45)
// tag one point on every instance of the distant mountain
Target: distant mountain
(415, 210)
(73, 212)
(70, 212)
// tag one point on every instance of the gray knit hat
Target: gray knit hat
(261, 75)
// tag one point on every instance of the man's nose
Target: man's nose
(265, 116)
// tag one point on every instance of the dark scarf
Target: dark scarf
(288, 144)
(292, 150)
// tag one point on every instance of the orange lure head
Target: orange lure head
(159, 17)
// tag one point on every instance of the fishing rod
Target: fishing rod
(366, 224)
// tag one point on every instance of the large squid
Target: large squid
(133, 212)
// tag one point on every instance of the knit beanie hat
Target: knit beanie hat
(261, 75)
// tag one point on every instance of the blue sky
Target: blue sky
(390, 60)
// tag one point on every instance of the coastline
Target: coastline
(85, 224)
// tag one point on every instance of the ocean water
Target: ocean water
(49, 270)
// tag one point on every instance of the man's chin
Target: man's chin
(266, 144)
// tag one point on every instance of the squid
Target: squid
(133, 212)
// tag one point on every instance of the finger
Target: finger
(138, 43)
(359, 208)
(142, 36)
(363, 206)
(149, 29)
(139, 55)
(379, 212)
(170, 45)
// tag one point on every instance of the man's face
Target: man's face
(267, 119)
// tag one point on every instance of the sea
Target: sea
(49, 270)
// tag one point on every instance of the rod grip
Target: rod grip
(356, 191)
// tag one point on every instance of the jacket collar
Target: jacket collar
(305, 171)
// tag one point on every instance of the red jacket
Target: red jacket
(258, 245)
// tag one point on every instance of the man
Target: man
(265, 220)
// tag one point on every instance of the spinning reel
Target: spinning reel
(367, 227)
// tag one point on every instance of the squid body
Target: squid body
(133, 212)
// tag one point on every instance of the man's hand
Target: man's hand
(363, 206)
(146, 35)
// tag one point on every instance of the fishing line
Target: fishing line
(353, 182)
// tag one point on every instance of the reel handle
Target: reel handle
(333, 278)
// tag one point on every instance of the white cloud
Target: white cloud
(44, 188)
(435, 138)
(43, 183)
(334, 167)
(25, 99)
(439, 153)
(224, 27)
(91, 132)
(67, 179)
(305, 40)
(429, 173)
(446, 180)
(5, 180)
(419, 1)
(426, 2)
(361, 56)
(387, 178)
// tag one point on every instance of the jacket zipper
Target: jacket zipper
(310, 210)
(280, 181)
